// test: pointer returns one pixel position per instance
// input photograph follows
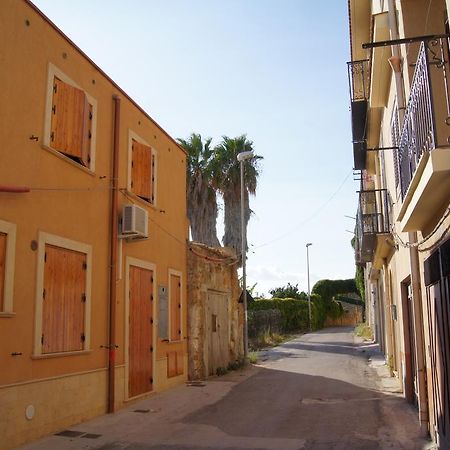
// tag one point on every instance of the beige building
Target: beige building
(93, 232)
(399, 75)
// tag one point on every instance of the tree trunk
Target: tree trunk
(232, 203)
(202, 212)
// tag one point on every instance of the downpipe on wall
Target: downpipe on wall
(113, 258)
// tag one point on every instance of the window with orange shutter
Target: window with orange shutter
(64, 300)
(142, 171)
(3, 238)
(175, 307)
(71, 122)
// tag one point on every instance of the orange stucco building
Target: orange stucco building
(93, 233)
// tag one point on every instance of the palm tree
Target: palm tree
(201, 195)
(227, 179)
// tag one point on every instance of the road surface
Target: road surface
(317, 391)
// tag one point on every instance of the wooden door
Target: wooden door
(140, 342)
(217, 328)
(438, 322)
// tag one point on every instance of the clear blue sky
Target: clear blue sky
(272, 69)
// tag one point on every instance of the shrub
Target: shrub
(294, 313)
(335, 310)
(359, 280)
(363, 330)
(262, 322)
(253, 357)
(327, 289)
(288, 291)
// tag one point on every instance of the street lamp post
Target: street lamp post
(309, 288)
(242, 157)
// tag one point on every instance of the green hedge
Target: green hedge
(328, 289)
(295, 313)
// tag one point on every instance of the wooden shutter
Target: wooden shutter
(163, 319)
(3, 239)
(64, 300)
(175, 308)
(141, 170)
(180, 362)
(175, 363)
(153, 173)
(87, 134)
(71, 122)
(171, 364)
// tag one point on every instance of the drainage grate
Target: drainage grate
(91, 436)
(70, 433)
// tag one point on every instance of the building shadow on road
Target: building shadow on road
(333, 330)
(324, 411)
(363, 351)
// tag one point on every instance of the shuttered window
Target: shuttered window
(142, 171)
(71, 122)
(175, 307)
(3, 238)
(163, 319)
(64, 300)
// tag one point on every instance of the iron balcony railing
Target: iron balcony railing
(358, 80)
(427, 113)
(359, 84)
(373, 218)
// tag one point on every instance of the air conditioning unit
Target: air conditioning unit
(134, 222)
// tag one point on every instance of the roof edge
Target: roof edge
(102, 72)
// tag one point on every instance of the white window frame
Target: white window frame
(53, 72)
(58, 241)
(178, 274)
(10, 255)
(134, 136)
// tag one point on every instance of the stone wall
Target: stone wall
(353, 315)
(211, 269)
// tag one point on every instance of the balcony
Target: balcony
(373, 223)
(424, 149)
(358, 76)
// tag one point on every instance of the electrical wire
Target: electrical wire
(132, 200)
(232, 260)
(316, 212)
(400, 241)
(72, 189)
(436, 244)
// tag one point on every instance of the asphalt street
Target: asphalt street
(318, 391)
